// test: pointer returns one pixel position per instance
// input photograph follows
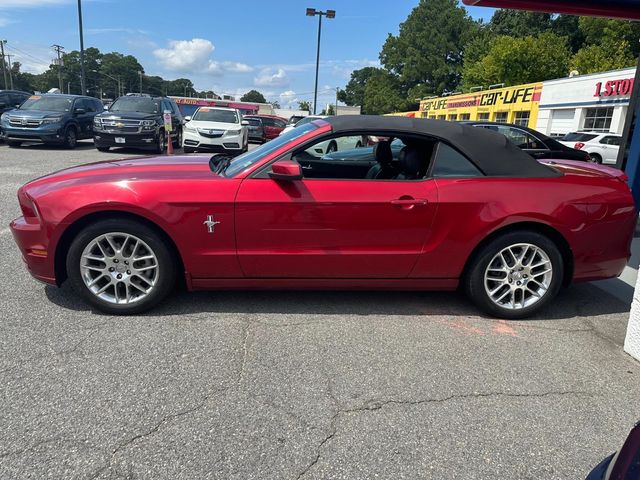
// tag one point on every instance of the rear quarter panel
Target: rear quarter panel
(595, 215)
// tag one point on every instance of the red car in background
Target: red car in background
(455, 206)
(271, 125)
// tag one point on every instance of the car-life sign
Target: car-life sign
(614, 88)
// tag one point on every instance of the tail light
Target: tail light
(578, 145)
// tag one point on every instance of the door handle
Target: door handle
(408, 203)
(308, 167)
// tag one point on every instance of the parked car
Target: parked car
(10, 99)
(216, 129)
(303, 121)
(293, 119)
(331, 145)
(137, 121)
(54, 119)
(623, 464)
(464, 208)
(536, 144)
(255, 129)
(271, 125)
(601, 147)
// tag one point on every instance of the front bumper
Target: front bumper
(144, 139)
(223, 143)
(52, 133)
(32, 241)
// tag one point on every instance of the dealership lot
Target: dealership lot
(301, 385)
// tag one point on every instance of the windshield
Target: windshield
(52, 104)
(135, 104)
(247, 159)
(578, 137)
(205, 114)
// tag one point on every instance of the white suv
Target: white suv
(215, 129)
(601, 147)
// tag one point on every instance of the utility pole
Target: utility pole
(83, 86)
(312, 12)
(58, 49)
(10, 75)
(4, 70)
(140, 73)
(336, 109)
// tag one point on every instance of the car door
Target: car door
(84, 113)
(332, 227)
(609, 146)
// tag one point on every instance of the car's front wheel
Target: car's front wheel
(13, 143)
(121, 266)
(159, 147)
(515, 275)
(70, 138)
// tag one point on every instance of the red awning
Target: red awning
(625, 9)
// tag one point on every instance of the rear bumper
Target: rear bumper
(32, 241)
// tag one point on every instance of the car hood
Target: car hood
(128, 115)
(214, 125)
(122, 171)
(37, 114)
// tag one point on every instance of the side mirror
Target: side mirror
(187, 118)
(286, 170)
(105, 107)
(244, 123)
(79, 110)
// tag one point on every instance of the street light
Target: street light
(117, 79)
(82, 80)
(312, 12)
(140, 73)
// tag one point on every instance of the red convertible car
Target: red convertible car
(456, 207)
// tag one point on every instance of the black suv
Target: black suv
(10, 99)
(137, 121)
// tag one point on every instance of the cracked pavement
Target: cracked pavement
(301, 385)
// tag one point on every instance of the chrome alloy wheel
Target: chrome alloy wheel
(119, 268)
(518, 276)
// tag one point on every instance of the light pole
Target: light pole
(117, 79)
(83, 86)
(140, 73)
(312, 12)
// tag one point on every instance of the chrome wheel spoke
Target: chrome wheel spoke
(108, 270)
(518, 276)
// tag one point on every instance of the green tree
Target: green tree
(353, 93)
(604, 31)
(21, 81)
(567, 26)
(383, 94)
(600, 58)
(304, 105)
(429, 47)
(520, 60)
(253, 96)
(520, 23)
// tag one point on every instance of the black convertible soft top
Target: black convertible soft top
(492, 152)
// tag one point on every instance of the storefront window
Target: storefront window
(441, 117)
(453, 117)
(501, 117)
(483, 116)
(465, 116)
(598, 119)
(522, 119)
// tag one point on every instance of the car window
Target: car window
(521, 138)
(207, 114)
(610, 140)
(280, 123)
(5, 101)
(52, 103)
(268, 122)
(254, 122)
(578, 137)
(306, 120)
(17, 98)
(449, 162)
(82, 103)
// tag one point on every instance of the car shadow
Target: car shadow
(81, 145)
(583, 300)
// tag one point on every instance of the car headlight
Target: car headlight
(148, 124)
(188, 128)
(52, 120)
(234, 132)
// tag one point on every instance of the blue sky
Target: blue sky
(227, 46)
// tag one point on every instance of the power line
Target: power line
(27, 54)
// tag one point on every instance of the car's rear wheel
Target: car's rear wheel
(121, 266)
(595, 158)
(103, 149)
(13, 143)
(70, 137)
(515, 275)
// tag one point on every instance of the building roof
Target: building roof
(490, 151)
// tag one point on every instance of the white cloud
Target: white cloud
(6, 4)
(268, 78)
(99, 31)
(4, 21)
(194, 56)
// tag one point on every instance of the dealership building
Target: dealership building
(595, 102)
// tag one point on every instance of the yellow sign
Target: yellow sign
(517, 104)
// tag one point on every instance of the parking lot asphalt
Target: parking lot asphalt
(300, 385)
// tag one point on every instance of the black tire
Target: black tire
(13, 143)
(188, 149)
(70, 137)
(595, 158)
(177, 139)
(103, 149)
(332, 147)
(166, 272)
(473, 281)
(160, 143)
